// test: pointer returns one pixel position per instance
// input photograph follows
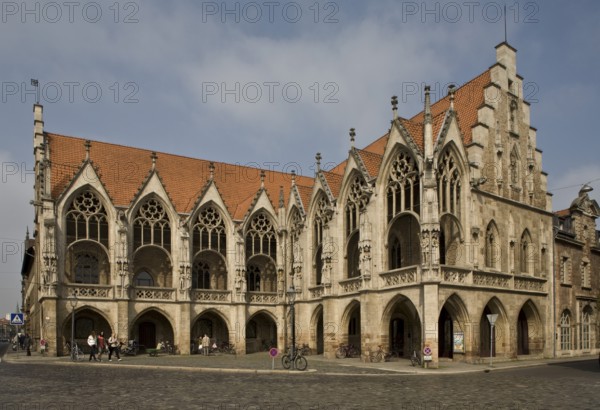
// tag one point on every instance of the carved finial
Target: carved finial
(281, 202)
(395, 106)
(451, 91)
(211, 169)
(427, 105)
(293, 177)
(262, 178)
(87, 145)
(352, 135)
(27, 234)
(153, 156)
(318, 159)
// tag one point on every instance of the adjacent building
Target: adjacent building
(410, 242)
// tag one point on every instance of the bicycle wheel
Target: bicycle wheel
(340, 353)
(377, 357)
(286, 361)
(301, 363)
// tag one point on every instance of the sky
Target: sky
(271, 83)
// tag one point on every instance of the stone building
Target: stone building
(411, 241)
(577, 276)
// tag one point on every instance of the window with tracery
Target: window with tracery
(209, 232)
(565, 331)
(565, 270)
(151, 226)
(201, 275)
(86, 219)
(355, 203)
(253, 278)
(449, 184)
(585, 328)
(87, 268)
(323, 215)
(261, 238)
(403, 190)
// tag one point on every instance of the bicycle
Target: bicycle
(347, 351)
(227, 347)
(299, 361)
(415, 359)
(380, 355)
(75, 352)
(305, 349)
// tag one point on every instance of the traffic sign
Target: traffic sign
(17, 319)
(273, 352)
(427, 351)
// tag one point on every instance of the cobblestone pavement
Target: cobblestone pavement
(168, 382)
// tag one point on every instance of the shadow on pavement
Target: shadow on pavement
(583, 365)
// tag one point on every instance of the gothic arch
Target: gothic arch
(450, 242)
(400, 326)
(501, 343)
(87, 262)
(317, 329)
(350, 330)
(527, 252)
(529, 330)
(157, 261)
(151, 222)
(402, 241)
(492, 250)
(453, 318)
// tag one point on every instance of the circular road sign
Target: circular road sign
(273, 352)
(427, 350)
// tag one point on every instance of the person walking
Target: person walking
(92, 344)
(205, 344)
(113, 347)
(101, 345)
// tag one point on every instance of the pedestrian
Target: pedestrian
(205, 344)
(113, 347)
(101, 345)
(92, 344)
(27, 343)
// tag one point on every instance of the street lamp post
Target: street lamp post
(73, 302)
(492, 319)
(292, 296)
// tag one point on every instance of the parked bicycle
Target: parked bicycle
(75, 352)
(415, 359)
(299, 361)
(226, 347)
(380, 355)
(347, 351)
(165, 347)
(131, 349)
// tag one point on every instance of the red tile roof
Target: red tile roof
(123, 170)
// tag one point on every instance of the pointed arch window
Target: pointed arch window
(403, 189)
(261, 238)
(87, 268)
(323, 215)
(449, 185)
(565, 330)
(209, 231)
(151, 225)
(201, 275)
(526, 253)
(87, 219)
(356, 202)
(492, 243)
(143, 278)
(585, 328)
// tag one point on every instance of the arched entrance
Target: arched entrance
(352, 328)
(522, 334)
(261, 333)
(401, 327)
(86, 321)
(498, 337)
(452, 328)
(445, 334)
(150, 328)
(209, 323)
(318, 333)
(530, 338)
